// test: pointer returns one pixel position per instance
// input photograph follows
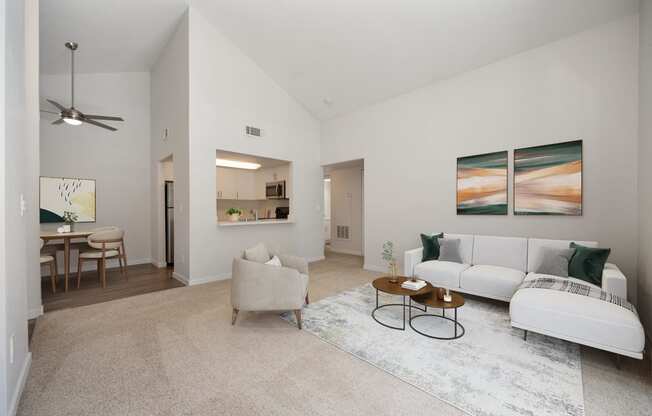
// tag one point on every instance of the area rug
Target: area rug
(491, 370)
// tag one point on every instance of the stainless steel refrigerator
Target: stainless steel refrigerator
(169, 222)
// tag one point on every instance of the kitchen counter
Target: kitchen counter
(254, 222)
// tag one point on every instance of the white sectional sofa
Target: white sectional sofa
(495, 267)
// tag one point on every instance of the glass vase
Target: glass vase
(393, 272)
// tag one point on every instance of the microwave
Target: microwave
(275, 190)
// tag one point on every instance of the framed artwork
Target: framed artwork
(548, 179)
(482, 184)
(58, 195)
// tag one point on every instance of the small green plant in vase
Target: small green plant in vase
(70, 218)
(234, 214)
(388, 256)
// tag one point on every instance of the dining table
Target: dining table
(52, 236)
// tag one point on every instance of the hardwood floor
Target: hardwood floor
(143, 278)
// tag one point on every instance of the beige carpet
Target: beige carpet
(175, 353)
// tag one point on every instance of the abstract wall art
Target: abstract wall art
(58, 195)
(482, 184)
(548, 179)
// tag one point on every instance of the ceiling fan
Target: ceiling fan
(71, 115)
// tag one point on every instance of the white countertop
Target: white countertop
(259, 222)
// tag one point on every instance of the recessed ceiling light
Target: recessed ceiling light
(226, 163)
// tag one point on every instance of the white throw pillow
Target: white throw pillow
(275, 261)
(257, 253)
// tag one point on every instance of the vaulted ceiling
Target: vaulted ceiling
(333, 56)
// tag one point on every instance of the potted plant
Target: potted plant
(69, 218)
(234, 214)
(388, 256)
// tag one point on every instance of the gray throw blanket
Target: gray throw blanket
(566, 285)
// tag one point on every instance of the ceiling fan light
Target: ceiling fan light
(72, 121)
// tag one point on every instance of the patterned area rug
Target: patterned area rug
(489, 371)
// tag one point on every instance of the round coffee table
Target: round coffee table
(430, 299)
(383, 284)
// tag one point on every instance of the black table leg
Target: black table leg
(455, 322)
(404, 313)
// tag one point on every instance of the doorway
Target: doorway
(166, 212)
(344, 208)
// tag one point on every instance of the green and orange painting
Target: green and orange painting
(482, 184)
(548, 179)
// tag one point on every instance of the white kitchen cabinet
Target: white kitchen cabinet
(226, 180)
(235, 184)
(246, 185)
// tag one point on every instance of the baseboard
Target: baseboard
(209, 279)
(159, 264)
(183, 279)
(345, 251)
(374, 268)
(22, 379)
(35, 312)
(314, 259)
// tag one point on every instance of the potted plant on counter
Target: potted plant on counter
(234, 214)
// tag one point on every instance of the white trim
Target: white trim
(20, 386)
(35, 312)
(183, 279)
(374, 268)
(209, 279)
(315, 258)
(345, 251)
(637, 355)
(159, 264)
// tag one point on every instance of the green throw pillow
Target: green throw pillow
(588, 263)
(430, 246)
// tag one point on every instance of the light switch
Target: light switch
(12, 341)
(23, 205)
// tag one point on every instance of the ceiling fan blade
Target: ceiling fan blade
(98, 124)
(56, 104)
(58, 121)
(51, 112)
(103, 117)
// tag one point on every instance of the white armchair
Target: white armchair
(262, 287)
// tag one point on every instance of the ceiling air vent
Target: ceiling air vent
(253, 131)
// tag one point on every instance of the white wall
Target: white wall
(34, 307)
(584, 86)
(644, 166)
(228, 91)
(346, 209)
(169, 99)
(18, 45)
(119, 161)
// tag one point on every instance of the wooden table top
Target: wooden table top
(53, 235)
(430, 300)
(384, 285)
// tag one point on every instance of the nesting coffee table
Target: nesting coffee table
(425, 296)
(430, 299)
(383, 284)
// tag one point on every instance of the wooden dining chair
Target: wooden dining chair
(52, 261)
(123, 254)
(104, 245)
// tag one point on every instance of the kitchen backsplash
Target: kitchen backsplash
(266, 208)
